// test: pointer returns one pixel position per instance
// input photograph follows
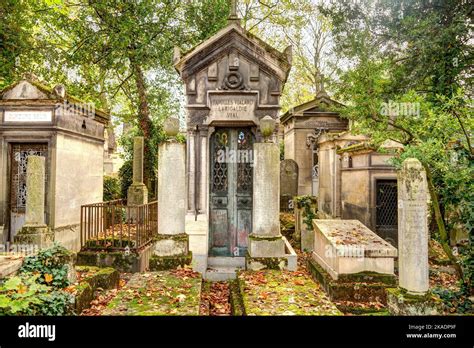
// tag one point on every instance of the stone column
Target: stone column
(172, 239)
(137, 192)
(413, 227)
(266, 244)
(35, 230)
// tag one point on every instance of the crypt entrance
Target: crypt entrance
(230, 191)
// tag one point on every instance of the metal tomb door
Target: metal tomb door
(18, 162)
(386, 216)
(231, 186)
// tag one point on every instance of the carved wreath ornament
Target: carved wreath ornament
(233, 80)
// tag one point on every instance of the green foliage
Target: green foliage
(126, 177)
(50, 265)
(308, 203)
(112, 188)
(426, 42)
(24, 295)
(282, 151)
(454, 301)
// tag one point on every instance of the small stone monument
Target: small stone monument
(35, 231)
(288, 183)
(137, 192)
(266, 244)
(412, 296)
(351, 262)
(172, 245)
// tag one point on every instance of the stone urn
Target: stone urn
(171, 126)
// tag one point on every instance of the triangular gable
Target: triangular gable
(30, 91)
(322, 103)
(247, 44)
(25, 89)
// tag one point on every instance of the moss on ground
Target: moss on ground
(283, 293)
(158, 293)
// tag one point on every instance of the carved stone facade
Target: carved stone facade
(232, 80)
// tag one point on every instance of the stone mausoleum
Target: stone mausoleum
(350, 178)
(300, 125)
(232, 81)
(36, 120)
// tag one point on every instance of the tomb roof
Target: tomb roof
(321, 104)
(224, 40)
(38, 93)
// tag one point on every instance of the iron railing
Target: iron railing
(113, 225)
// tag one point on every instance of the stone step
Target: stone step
(237, 262)
(218, 274)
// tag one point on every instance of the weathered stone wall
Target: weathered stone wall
(355, 202)
(78, 168)
(303, 156)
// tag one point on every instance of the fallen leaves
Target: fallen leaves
(215, 299)
(102, 298)
(48, 278)
(284, 293)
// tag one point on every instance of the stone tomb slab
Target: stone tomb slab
(348, 247)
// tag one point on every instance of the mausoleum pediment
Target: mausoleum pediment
(234, 38)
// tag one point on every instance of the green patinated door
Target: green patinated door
(230, 200)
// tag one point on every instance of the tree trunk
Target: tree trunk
(144, 121)
(441, 226)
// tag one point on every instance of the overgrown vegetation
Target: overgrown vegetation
(51, 265)
(25, 295)
(38, 287)
(454, 301)
(112, 188)
(308, 203)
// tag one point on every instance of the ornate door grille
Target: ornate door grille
(387, 210)
(19, 161)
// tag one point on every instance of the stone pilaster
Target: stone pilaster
(266, 245)
(35, 230)
(172, 240)
(137, 192)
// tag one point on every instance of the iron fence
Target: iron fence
(113, 225)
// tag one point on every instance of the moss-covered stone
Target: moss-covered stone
(236, 301)
(400, 302)
(261, 263)
(359, 287)
(118, 260)
(83, 297)
(175, 237)
(163, 263)
(105, 278)
(261, 237)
